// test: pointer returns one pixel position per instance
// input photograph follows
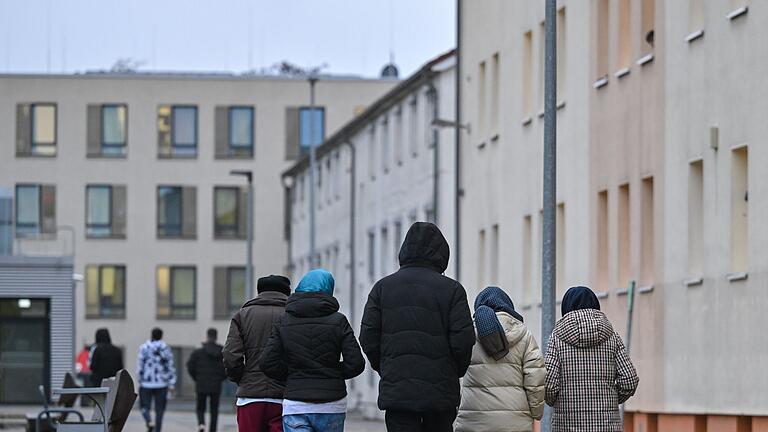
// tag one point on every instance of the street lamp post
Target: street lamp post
(312, 78)
(248, 174)
(550, 195)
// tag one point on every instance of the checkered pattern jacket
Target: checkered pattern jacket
(588, 374)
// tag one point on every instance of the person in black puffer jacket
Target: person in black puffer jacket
(417, 333)
(313, 348)
(206, 367)
(105, 359)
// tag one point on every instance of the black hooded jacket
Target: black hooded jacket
(206, 367)
(417, 329)
(306, 348)
(106, 359)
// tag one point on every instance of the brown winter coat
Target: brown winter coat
(588, 374)
(248, 334)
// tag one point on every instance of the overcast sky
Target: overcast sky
(351, 36)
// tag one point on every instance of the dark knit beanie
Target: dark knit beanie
(274, 283)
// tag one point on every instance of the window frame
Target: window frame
(172, 315)
(103, 141)
(88, 225)
(174, 145)
(161, 228)
(39, 225)
(32, 143)
(302, 109)
(99, 288)
(217, 233)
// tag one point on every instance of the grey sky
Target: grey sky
(351, 36)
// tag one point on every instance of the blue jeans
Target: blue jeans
(314, 423)
(160, 395)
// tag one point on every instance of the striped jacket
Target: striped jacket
(588, 374)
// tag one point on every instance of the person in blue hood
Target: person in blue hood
(313, 348)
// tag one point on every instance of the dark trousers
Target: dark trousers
(260, 417)
(160, 396)
(431, 421)
(213, 400)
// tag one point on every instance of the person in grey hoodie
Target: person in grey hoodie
(157, 377)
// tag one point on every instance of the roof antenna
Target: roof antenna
(390, 69)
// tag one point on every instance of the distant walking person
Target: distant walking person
(259, 397)
(205, 366)
(105, 359)
(157, 377)
(313, 347)
(589, 373)
(503, 389)
(417, 333)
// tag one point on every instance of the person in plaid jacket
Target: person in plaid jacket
(589, 373)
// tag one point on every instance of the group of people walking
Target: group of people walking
(290, 354)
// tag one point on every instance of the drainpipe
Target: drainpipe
(432, 95)
(352, 227)
(457, 166)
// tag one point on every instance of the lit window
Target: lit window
(229, 212)
(105, 291)
(176, 287)
(44, 129)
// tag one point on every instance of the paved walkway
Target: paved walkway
(181, 421)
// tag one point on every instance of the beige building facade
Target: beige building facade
(660, 177)
(137, 169)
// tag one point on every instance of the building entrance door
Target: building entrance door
(24, 349)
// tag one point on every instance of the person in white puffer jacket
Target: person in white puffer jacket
(503, 390)
(157, 376)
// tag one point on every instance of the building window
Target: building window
(624, 234)
(107, 130)
(562, 53)
(385, 152)
(647, 248)
(35, 209)
(739, 210)
(542, 55)
(36, 129)
(234, 131)
(177, 130)
(647, 26)
(105, 291)
(625, 31)
(528, 271)
(105, 216)
(527, 89)
(495, 255)
(696, 219)
(398, 135)
(6, 224)
(371, 255)
(495, 94)
(602, 241)
(397, 240)
(176, 291)
(560, 245)
(230, 212)
(372, 152)
(481, 99)
(413, 126)
(481, 264)
(384, 255)
(229, 291)
(602, 38)
(176, 212)
(311, 127)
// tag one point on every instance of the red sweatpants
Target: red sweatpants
(260, 417)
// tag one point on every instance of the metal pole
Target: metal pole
(550, 195)
(312, 162)
(630, 312)
(249, 251)
(457, 148)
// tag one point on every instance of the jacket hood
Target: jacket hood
(155, 344)
(514, 329)
(425, 246)
(317, 281)
(584, 328)
(267, 298)
(102, 336)
(212, 349)
(311, 305)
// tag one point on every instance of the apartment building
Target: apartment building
(131, 174)
(659, 147)
(389, 167)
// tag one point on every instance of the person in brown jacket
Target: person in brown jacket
(259, 398)
(589, 373)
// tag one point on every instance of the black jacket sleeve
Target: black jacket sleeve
(192, 365)
(461, 331)
(272, 359)
(370, 329)
(353, 363)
